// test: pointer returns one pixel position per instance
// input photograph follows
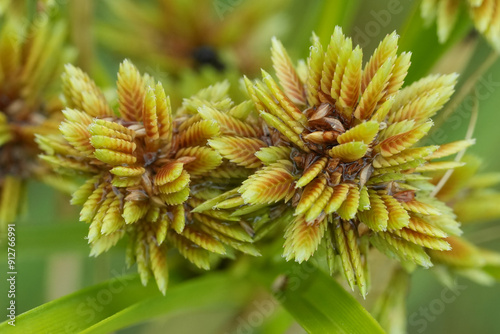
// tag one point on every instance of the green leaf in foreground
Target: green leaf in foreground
(321, 305)
(123, 301)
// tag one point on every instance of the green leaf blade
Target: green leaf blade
(321, 305)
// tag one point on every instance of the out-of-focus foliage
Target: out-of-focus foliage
(32, 57)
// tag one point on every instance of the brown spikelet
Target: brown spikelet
(284, 130)
(422, 239)
(349, 207)
(272, 154)
(398, 143)
(100, 127)
(287, 105)
(399, 72)
(176, 198)
(189, 250)
(158, 263)
(134, 210)
(339, 195)
(203, 240)
(404, 250)
(421, 226)
(175, 185)
(441, 86)
(238, 150)
(337, 40)
(374, 91)
(150, 121)
(386, 50)
(199, 133)
(404, 157)
(119, 145)
(350, 87)
(131, 92)
(268, 185)
(420, 207)
(163, 112)
(377, 217)
(319, 205)
(398, 216)
(311, 172)
(344, 55)
(205, 160)
(168, 173)
(349, 151)
(228, 125)
(440, 165)
(315, 68)
(451, 148)
(342, 248)
(275, 109)
(127, 171)
(311, 193)
(364, 132)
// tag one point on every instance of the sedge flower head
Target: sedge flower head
(346, 159)
(144, 168)
(30, 59)
(484, 14)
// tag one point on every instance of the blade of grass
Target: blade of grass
(123, 301)
(321, 305)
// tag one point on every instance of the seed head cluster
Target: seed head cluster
(143, 167)
(347, 161)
